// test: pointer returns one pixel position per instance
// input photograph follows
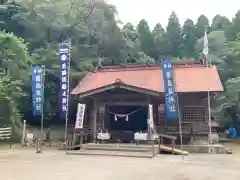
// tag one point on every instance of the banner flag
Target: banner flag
(80, 116)
(169, 90)
(37, 89)
(150, 117)
(205, 49)
(64, 49)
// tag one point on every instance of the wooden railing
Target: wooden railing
(187, 128)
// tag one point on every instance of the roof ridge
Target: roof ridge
(140, 68)
(129, 69)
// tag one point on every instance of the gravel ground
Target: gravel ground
(27, 165)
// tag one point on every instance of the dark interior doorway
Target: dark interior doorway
(137, 120)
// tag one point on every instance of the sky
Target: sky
(155, 11)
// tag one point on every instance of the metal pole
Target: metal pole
(42, 114)
(23, 133)
(209, 123)
(66, 117)
(209, 112)
(179, 117)
(180, 130)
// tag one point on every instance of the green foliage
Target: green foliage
(233, 30)
(16, 63)
(188, 39)
(134, 54)
(96, 37)
(216, 44)
(14, 57)
(160, 42)
(174, 35)
(202, 23)
(10, 93)
(220, 23)
(226, 55)
(145, 38)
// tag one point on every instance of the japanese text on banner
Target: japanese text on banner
(169, 91)
(37, 89)
(64, 67)
(80, 116)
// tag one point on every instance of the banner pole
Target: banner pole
(172, 111)
(180, 130)
(209, 113)
(179, 116)
(42, 113)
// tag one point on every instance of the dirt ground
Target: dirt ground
(25, 164)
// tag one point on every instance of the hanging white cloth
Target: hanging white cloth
(116, 116)
(139, 136)
(103, 136)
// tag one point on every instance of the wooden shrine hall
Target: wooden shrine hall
(117, 100)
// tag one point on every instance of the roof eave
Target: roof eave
(113, 86)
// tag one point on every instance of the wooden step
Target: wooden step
(173, 150)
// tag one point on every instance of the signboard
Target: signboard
(150, 118)
(169, 91)
(37, 89)
(64, 68)
(80, 116)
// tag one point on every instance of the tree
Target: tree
(96, 39)
(7, 10)
(201, 25)
(233, 31)
(236, 23)
(220, 23)
(174, 35)
(10, 93)
(160, 41)
(217, 49)
(226, 56)
(132, 43)
(109, 39)
(230, 100)
(16, 63)
(90, 24)
(146, 38)
(134, 54)
(130, 32)
(52, 20)
(188, 39)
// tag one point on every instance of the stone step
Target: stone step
(129, 146)
(120, 147)
(112, 153)
(117, 149)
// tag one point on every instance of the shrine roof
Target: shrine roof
(189, 77)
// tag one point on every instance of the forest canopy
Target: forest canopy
(32, 29)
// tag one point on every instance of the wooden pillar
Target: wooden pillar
(94, 120)
(106, 118)
(101, 116)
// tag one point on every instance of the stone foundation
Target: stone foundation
(217, 148)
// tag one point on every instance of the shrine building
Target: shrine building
(117, 100)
